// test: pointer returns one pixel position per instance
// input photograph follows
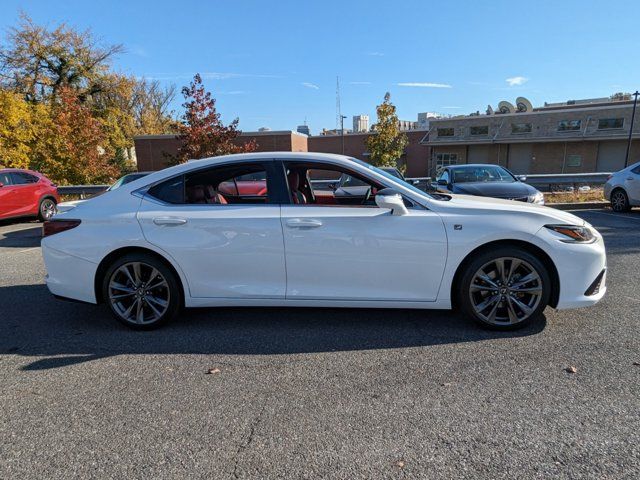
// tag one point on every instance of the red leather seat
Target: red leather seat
(293, 178)
(213, 196)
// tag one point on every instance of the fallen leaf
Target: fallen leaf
(571, 369)
(446, 384)
(400, 464)
(636, 363)
(213, 370)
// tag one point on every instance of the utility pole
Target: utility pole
(342, 117)
(633, 117)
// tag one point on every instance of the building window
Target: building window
(521, 128)
(479, 130)
(444, 160)
(569, 125)
(445, 132)
(574, 160)
(610, 123)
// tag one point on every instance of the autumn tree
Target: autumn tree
(73, 149)
(387, 144)
(21, 124)
(201, 132)
(38, 62)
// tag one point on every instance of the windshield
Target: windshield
(485, 173)
(413, 188)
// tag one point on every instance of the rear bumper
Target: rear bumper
(68, 276)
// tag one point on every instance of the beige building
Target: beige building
(570, 137)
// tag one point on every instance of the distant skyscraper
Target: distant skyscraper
(360, 123)
(303, 129)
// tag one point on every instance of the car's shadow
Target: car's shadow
(59, 333)
(21, 238)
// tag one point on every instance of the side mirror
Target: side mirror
(522, 178)
(1, 184)
(389, 198)
(443, 182)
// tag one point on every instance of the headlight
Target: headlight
(536, 198)
(574, 233)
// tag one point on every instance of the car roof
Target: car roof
(474, 165)
(25, 170)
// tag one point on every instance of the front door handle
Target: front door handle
(630, 178)
(303, 223)
(169, 221)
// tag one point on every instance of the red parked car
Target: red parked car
(25, 193)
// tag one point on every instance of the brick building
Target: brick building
(570, 137)
(152, 150)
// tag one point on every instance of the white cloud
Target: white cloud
(424, 85)
(233, 92)
(515, 81)
(208, 76)
(310, 85)
(452, 108)
(375, 54)
(359, 83)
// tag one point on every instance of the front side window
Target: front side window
(569, 125)
(312, 184)
(610, 123)
(479, 130)
(446, 132)
(5, 179)
(518, 128)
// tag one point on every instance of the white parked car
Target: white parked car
(623, 188)
(250, 230)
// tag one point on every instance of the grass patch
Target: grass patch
(593, 195)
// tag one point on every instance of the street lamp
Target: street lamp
(342, 117)
(633, 116)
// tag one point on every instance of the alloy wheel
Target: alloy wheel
(505, 291)
(139, 293)
(47, 209)
(619, 201)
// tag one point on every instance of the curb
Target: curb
(578, 206)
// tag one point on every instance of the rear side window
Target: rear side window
(636, 170)
(169, 191)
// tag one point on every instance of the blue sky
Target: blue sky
(273, 63)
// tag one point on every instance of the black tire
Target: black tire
(473, 291)
(117, 283)
(46, 209)
(620, 201)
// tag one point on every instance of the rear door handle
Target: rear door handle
(303, 223)
(630, 178)
(169, 221)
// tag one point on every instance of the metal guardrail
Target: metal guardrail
(82, 190)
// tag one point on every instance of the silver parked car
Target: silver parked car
(623, 188)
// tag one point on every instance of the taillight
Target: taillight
(51, 227)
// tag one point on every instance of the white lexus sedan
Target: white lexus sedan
(253, 230)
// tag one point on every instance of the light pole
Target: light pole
(633, 117)
(342, 117)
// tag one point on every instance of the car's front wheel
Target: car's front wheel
(620, 201)
(141, 291)
(505, 288)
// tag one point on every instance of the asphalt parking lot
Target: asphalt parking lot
(318, 393)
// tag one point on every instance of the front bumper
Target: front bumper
(579, 266)
(69, 276)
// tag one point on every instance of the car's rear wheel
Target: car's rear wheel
(142, 292)
(46, 209)
(620, 201)
(505, 288)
